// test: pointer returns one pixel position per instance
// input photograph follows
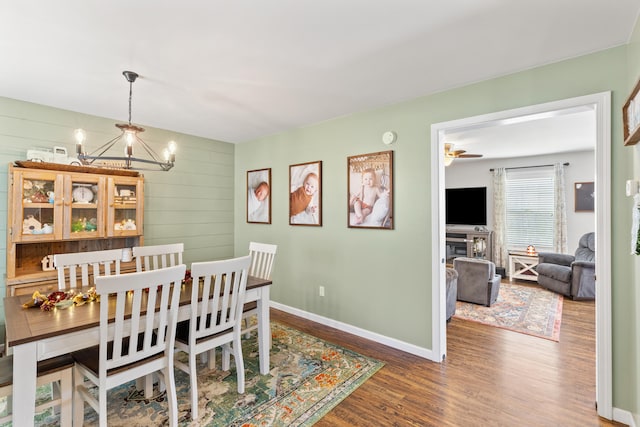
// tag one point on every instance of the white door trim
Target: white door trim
(601, 103)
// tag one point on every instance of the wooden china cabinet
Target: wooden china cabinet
(55, 209)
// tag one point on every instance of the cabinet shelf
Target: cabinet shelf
(38, 205)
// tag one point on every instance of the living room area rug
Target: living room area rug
(308, 378)
(529, 310)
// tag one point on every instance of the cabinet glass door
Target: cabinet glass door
(83, 207)
(479, 247)
(124, 216)
(38, 214)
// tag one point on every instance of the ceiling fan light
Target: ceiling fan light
(448, 160)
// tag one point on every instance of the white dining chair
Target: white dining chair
(138, 342)
(75, 269)
(217, 321)
(262, 257)
(154, 257)
(158, 256)
(58, 372)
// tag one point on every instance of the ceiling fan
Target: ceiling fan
(451, 153)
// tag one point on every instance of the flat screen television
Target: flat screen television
(466, 206)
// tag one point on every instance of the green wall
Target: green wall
(379, 280)
(192, 203)
(632, 317)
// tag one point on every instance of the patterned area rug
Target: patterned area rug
(529, 310)
(308, 378)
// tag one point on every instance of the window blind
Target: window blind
(530, 208)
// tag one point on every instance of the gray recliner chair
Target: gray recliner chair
(570, 275)
(477, 280)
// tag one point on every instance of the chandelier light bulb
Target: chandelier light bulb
(80, 135)
(130, 137)
(129, 146)
(170, 156)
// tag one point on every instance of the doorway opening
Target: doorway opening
(601, 106)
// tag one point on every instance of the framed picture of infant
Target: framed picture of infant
(370, 190)
(305, 194)
(259, 196)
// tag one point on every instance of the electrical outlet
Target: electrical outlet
(321, 291)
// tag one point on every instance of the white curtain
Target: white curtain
(560, 219)
(500, 252)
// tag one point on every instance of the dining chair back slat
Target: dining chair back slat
(79, 267)
(158, 256)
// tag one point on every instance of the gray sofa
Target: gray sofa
(452, 292)
(477, 280)
(570, 275)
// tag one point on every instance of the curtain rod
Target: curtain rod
(527, 167)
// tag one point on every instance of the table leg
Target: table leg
(24, 384)
(264, 330)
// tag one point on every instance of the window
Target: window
(530, 208)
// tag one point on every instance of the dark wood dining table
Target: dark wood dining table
(34, 335)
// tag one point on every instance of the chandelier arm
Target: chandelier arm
(88, 159)
(148, 149)
(105, 147)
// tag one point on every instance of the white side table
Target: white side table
(522, 266)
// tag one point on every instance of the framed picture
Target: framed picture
(259, 196)
(584, 196)
(370, 190)
(305, 194)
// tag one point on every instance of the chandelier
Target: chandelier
(130, 136)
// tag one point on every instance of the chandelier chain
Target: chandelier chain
(130, 97)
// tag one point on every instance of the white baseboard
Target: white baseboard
(624, 417)
(390, 342)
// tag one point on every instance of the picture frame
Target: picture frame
(305, 194)
(584, 196)
(258, 207)
(370, 191)
(631, 117)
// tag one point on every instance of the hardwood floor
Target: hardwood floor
(491, 377)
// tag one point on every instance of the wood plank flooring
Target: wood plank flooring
(491, 377)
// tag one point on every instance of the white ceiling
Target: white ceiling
(561, 131)
(239, 70)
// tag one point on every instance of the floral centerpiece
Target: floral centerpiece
(61, 299)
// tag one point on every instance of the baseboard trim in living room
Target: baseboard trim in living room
(363, 333)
